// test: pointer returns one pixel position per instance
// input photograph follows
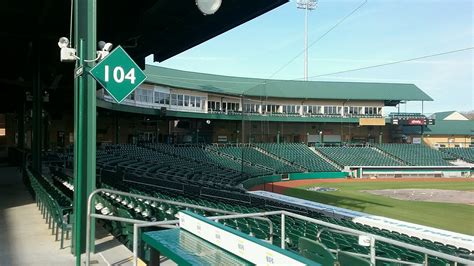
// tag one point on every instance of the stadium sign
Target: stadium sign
(118, 74)
(413, 121)
(416, 122)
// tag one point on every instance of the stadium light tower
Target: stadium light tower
(306, 5)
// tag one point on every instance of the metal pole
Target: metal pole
(85, 121)
(306, 42)
(37, 109)
(372, 250)
(21, 126)
(135, 244)
(283, 231)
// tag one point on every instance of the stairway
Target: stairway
(339, 167)
(230, 157)
(283, 160)
(390, 156)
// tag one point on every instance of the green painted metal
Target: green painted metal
(37, 110)
(317, 175)
(185, 248)
(234, 117)
(85, 121)
(261, 180)
(293, 176)
(284, 88)
(118, 74)
(21, 126)
(257, 241)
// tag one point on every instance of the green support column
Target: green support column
(21, 126)
(117, 129)
(84, 121)
(37, 110)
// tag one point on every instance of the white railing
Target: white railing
(259, 215)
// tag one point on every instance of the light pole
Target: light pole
(306, 5)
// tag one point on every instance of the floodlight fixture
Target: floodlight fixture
(306, 5)
(208, 7)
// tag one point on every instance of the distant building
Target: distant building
(451, 129)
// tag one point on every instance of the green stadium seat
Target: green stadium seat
(346, 259)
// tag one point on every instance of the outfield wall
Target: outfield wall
(410, 171)
(292, 176)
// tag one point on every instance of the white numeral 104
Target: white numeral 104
(119, 75)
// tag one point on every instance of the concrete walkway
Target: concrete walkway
(26, 240)
(24, 235)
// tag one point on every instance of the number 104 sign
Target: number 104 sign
(118, 74)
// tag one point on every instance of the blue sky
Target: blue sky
(382, 31)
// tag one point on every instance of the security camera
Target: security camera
(63, 42)
(107, 47)
(67, 53)
(103, 49)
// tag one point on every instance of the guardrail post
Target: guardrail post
(372, 250)
(283, 231)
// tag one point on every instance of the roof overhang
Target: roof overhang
(160, 27)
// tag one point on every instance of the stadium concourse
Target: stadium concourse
(185, 147)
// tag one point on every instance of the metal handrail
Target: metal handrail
(134, 221)
(262, 215)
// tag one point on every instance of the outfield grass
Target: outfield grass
(449, 216)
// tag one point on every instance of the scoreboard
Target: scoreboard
(412, 121)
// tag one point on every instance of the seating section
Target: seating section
(255, 157)
(295, 228)
(465, 154)
(299, 154)
(175, 167)
(53, 203)
(206, 154)
(358, 156)
(416, 154)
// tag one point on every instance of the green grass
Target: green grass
(453, 217)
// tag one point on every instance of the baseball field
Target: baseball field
(438, 202)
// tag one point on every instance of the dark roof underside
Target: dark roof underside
(160, 27)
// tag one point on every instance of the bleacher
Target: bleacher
(172, 167)
(299, 154)
(295, 229)
(416, 154)
(250, 154)
(465, 154)
(204, 154)
(358, 156)
(53, 202)
(196, 175)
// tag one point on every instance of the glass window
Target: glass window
(186, 100)
(218, 106)
(174, 99)
(192, 101)
(180, 100)
(198, 102)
